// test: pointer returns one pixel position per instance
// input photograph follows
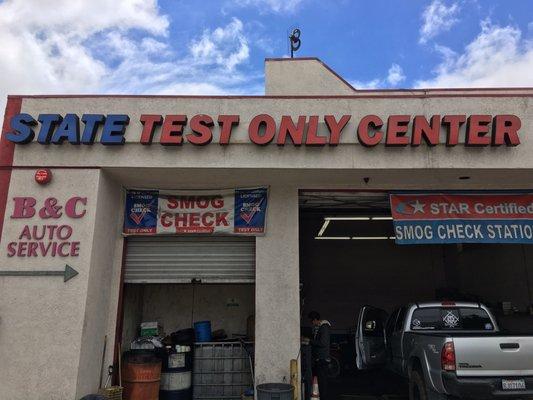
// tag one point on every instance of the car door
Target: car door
(395, 341)
(370, 340)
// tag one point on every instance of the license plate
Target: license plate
(513, 384)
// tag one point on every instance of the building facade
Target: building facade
(311, 130)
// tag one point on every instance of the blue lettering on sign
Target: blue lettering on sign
(48, 122)
(22, 129)
(68, 129)
(56, 129)
(114, 128)
(91, 121)
(464, 231)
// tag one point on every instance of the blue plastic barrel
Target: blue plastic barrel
(202, 329)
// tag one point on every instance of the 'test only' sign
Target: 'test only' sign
(263, 129)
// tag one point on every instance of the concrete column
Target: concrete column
(277, 303)
(106, 246)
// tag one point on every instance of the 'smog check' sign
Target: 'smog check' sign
(227, 211)
(463, 218)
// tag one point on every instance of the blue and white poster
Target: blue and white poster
(462, 218)
(225, 211)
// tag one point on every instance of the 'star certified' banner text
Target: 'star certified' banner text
(462, 218)
(227, 211)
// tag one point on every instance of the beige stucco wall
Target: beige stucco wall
(307, 76)
(42, 318)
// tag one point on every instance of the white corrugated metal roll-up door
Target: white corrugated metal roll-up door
(180, 259)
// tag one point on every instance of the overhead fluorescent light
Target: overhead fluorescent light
(370, 237)
(332, 237)
(324, 226)
(347, 218)
(373, 237)
(380, 218)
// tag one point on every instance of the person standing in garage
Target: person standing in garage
(320, 344)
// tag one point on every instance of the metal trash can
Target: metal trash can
(275, 391)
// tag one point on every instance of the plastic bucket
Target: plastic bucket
(275, 391)
(202, 329)
(141, 373)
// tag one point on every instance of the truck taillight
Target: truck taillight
(447, 357)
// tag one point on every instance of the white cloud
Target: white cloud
(437, 18)
(226, 47)
(98, 46)
(395, 75)
(276, 6)
(497, 57)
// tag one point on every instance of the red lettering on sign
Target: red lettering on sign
(71, 204)
(32, 249)
(165, 220)
(222, 219)
(312, 139)
(295, 132)
(477, 128)
(11, 249)
(201, 127)
(207, 219)
(60, 250)
(265, 123)
(453, 123)
(75, 249)
(423, 130)
(24, 207)
(51, 209)
(149, 122)
(172, 130)
(335, 127)
(226, 123)
(396, 129)
(64, 232)
(218, 202)
(44, 249)
(505, 130)
(25, 234)
(363, 134)
(22, 249)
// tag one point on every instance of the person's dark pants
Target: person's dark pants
(321, 372)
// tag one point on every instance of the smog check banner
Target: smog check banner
(226, 211)
(462, 218)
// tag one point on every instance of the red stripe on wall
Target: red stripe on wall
(7, 151)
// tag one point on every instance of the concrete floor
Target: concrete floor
(369, 385)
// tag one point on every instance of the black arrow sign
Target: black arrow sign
(67, 274)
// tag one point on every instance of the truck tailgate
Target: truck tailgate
(494, 355)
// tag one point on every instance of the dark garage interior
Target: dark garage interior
(348, 259)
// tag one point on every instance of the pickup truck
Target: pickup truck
(446, 350)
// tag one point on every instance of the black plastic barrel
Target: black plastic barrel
(175, 394)
(275, 391)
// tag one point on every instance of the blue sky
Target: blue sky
(219, 47)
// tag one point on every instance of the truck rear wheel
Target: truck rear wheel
(417, 387)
